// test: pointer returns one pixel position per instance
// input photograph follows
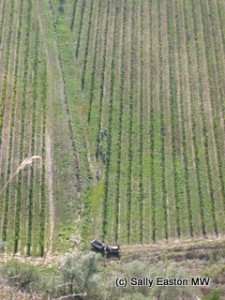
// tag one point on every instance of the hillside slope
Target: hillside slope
(121, 103)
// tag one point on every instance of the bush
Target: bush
(78, 275)
(213, 295)
(20, 275)
(143, 269)
(2, 246)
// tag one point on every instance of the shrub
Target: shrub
(212, 295)
(78, 275)
(20, 275)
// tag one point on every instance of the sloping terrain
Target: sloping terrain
(121, 106)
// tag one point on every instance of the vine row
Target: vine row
(22, 129)
(6, 68)
(12, 121)
(93, 75)
(80, 28)
(162, 127)
(130, 146)
(121, 97)
(73, 15)
(140, 149)
(87, 47)
(2, 20)
(187, 174)
(43, 169)
(172, 100)
(204, 124)
(71, 132)
(194, 135)
(102, 76)
(151, 128)
(213, 82)
(33, 121)
(109, 139)
(222, 105)
(12, 117)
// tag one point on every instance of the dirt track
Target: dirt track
(177, 250)
(50, 188)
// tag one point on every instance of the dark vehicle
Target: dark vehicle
(101, 247)
(98, 246)
(113, 249)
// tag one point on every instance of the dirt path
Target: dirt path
(49, 179)
(173, 249)
(56, 93)
(49, 174)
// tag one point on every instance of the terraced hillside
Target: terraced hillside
(122, 104)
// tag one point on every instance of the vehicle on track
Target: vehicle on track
(98, 246)
(105, 249)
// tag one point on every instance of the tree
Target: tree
(78, 275)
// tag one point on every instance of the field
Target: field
(121, 105)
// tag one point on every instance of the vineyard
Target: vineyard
(112, 122)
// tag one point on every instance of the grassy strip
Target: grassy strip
(222, 105)
(73, 15)
(93, 72)
(205, 129)
(71, 132)
(195, 141)
(140, 148)
(6, 68)
(12, 122)
(43, 169)
(204, 121)
(130, 146)
(12, 117)
(74, 147)
(173, 110)
(187, 174)
(31, 168)
(162, 128)
(87, 47)
(23, 110)
(151, 129)
(213, 83)
(102, 76)
(2, 20)
(109, 139)
(222, 29)
(80, 28)
(121, 97)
